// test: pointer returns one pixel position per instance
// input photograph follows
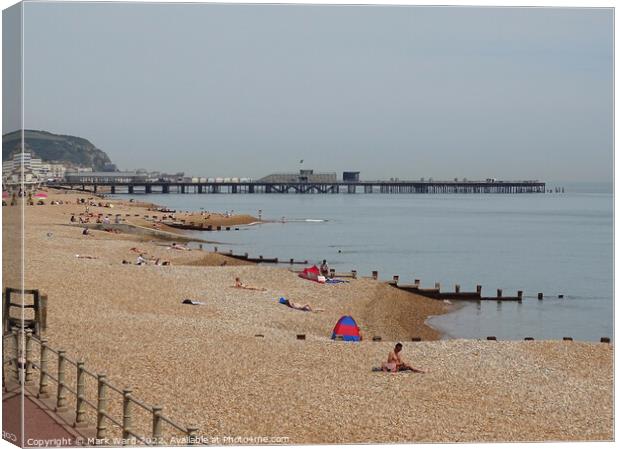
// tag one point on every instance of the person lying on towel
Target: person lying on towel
(395, 362)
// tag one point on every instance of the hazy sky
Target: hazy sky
(238, 90)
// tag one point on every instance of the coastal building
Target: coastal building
(156, 176)
(105, 177)
(56, 171)
(20, 177)
(351, 176)
(36, 167)
(302, 176)
(25, 159)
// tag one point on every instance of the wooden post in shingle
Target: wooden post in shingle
(43, 312)
(15, 333)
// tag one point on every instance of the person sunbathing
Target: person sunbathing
(239, 284)
(297, 306)
(395, 363)
(83, 256)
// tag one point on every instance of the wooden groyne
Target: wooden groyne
(193, 226)
(456, 295)
(260, 258)
(436, 292)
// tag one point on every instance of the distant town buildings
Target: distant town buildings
(34, 170)
(22, 168)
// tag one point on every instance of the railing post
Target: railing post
(43, 385)
(28, 358)
(126, 416)
(101, 406)
(191, 435)
(15, 333)
(80, 411)
(61, 398)
(157, 424)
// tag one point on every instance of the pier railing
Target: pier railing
(99, 403)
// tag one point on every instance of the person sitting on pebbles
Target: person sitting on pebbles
(395, 363)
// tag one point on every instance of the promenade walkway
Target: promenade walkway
(42, 426)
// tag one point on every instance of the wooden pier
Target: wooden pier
(368, 187)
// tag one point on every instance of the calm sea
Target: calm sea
(558, 244)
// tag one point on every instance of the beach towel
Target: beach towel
(336, 281)
(192, 302)
(377, 369)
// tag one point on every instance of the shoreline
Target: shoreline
(445, 335)
(188, 234)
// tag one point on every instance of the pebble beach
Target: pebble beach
(233, 365)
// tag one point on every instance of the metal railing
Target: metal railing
(21, 358)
